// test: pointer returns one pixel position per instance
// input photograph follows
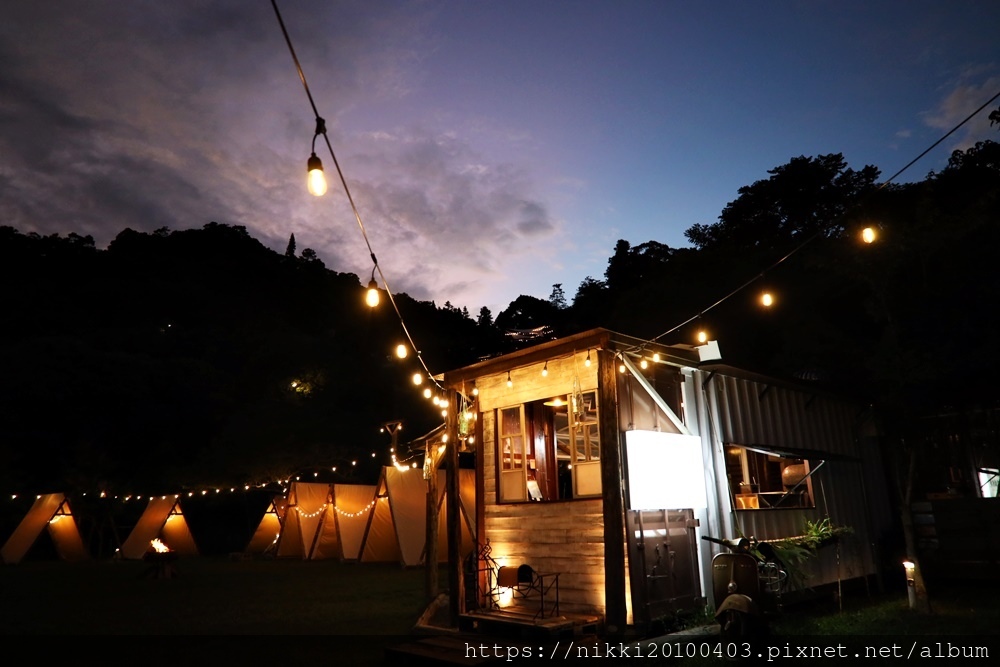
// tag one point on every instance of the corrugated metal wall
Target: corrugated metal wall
(729, 408)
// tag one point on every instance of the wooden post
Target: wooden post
(616, 614)
(456, 592)
(430, 539)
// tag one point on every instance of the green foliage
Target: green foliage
(796, 550)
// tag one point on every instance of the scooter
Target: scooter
(747, 582)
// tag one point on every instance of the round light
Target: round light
(401, 351)
(702, 336)
(316, 181)
(372, 298)
(868, 235)
(418, 378)
(766, 299)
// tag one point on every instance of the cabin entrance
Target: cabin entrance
(663, 563)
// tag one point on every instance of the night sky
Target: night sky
(492, 148)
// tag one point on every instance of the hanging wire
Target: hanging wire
(818, 233)
(321, 129)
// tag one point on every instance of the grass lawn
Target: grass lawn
(359, 608)
(347, 613)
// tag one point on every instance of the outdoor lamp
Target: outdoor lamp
(868, 235)
(911, 589)
(372, 297)
(317, 180)
(767, 299)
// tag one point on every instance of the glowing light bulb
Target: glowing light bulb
(702, 336)
(317, 180)
(401, 351)
(418, 378)
(868, 235)
(766, 299)
(372, 298)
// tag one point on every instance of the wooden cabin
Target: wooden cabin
(603, 459)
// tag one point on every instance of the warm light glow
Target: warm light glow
(436, 401)
(621, 368)
(159, 546)
(586, 362)
(868, 235)
(545, 369)
(702, 336)
(401, 351)
(656, 357)
(475, 391)
(317, 180)
(510, 383)
(418, 378)
(766, 299)
(372, 298)
(427, 392)
(643, 363)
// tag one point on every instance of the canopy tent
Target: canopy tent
(349, 514)
(406, 490)
(380, 543)
(307, 505)
(386, 522)
(265, 536)
(335, 521)
(163, 520)
(49, 511)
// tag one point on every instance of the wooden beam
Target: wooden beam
(613, 501)
(456, 591)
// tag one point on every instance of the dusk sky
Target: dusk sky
(493, 148)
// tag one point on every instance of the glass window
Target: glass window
(549, 449)
(760, 480)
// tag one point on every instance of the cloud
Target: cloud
(955, 108)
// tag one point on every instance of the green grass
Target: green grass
(355, 610)
(213, 596)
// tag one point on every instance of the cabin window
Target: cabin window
(763, 480)
(549, 449)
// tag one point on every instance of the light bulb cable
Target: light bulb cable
(321, 129)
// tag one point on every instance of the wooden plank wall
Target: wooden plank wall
(565, 537)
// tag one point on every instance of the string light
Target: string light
(314, 166)
(586, 362)
(372, 297)
(372, 285)
(870, 231)
(545, 369)
(510, 383)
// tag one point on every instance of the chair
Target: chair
(526, 583)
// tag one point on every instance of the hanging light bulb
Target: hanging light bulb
(868, 235)
(643, 364)
(401, 351)
(586, 362)
(510, 383)
(418, 378)
(702, 336)
(767, 299)
(316, 178)
(545, 369)
(372, 297)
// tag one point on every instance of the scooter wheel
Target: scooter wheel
(734, 625)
